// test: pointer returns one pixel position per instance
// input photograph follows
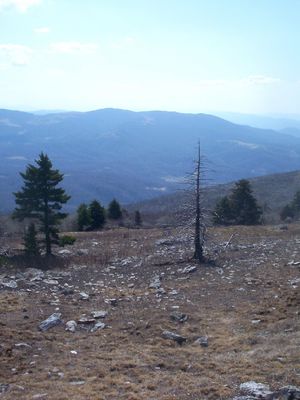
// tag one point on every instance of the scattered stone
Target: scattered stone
(189, 269)
(50, 322)
(178, 316)
(51, 281)
(82, 252)
(202, 341)
(99, 314)
(76, 383)
(257, 390)
(56, 372)
(64, 252)
(86, 320)
(160, 291)
(173, 336)
(33, 274)
(4, 387)
(23, 345)
(155, 283)
(17, 388)
(71, 326)
(112, 302)
(260, 391)
(39, 396)
(295, 263)
(84, 296)
(98, 325)
(9, 283)
(290, 393)
(295, 282)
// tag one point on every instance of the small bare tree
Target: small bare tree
(193, 212)
(200, 227)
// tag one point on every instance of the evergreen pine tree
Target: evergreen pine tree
(96, 215)
(137, 218)
(41, 199)
(239, 208)
(114, 210)
(287, 212)
(245, 210)
(30, 241)
(83, 217)
(296, 202)
(222, 214)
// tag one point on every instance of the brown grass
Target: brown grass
(130, 359)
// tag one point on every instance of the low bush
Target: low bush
(66, 240)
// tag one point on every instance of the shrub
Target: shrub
(66, 240)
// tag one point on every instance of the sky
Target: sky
(177, 55)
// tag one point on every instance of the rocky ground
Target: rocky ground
(135, 318)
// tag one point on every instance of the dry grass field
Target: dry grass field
(246, 301)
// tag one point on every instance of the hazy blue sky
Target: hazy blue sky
(182, 55)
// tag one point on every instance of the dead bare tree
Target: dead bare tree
(199, 225)
(193, 214)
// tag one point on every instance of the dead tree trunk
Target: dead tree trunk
(199, 224)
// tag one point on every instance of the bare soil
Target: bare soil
(246, 301)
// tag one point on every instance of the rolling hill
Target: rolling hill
(273, 192)
(135, 155)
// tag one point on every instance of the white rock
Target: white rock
(71, 326)
(9, 284)
(258, 390)
(99, 314)
(84, 296)
(33, 274)
(64, 252)
(51, 281)
(98, 325)
(50, 322)
(189, 269)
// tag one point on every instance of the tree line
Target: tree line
(40, 200)
(291, 210)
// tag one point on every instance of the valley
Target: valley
(135, 156)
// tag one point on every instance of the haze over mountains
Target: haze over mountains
(135, 155)
(289, 124)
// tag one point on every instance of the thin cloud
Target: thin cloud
(73, 48)
(260, 80)
(42, 30)
(15, 54)
(251, 80)
(19, 5)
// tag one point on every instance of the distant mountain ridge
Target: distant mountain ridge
(135, 155)
(282, 123)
